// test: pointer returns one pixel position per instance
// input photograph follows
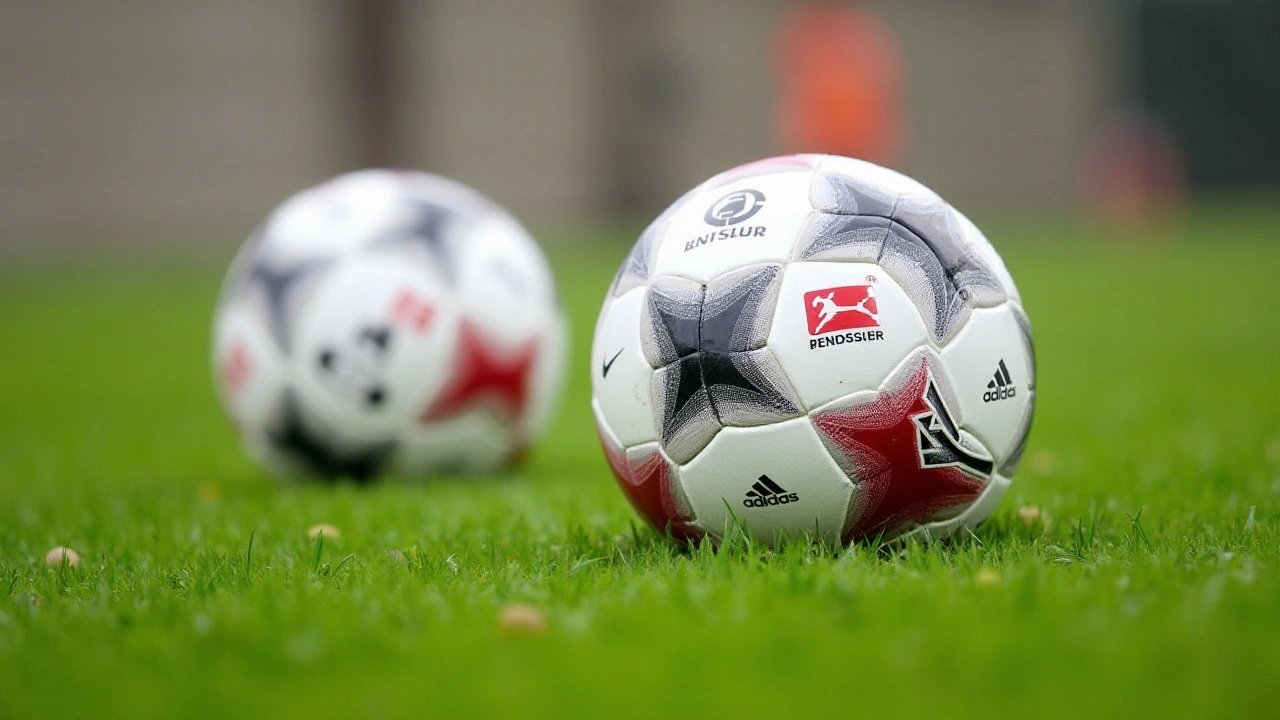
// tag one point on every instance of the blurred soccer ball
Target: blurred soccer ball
(388, 322)
(813, 345)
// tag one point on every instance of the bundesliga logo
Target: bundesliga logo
(850, 308)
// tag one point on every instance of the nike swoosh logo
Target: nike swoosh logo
(609, 364)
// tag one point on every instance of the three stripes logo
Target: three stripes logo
(764, 492)
(1001, 386)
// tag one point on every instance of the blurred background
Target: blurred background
(185, 122)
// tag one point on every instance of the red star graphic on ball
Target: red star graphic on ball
(235, 368)
(645, 478)
(484, 375)
(907, 454)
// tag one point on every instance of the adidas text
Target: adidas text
(1003, 393)
(1001, 386)
(765, 492)
(771, 500)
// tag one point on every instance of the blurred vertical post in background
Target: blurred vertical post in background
(635, 95)
(374, 76)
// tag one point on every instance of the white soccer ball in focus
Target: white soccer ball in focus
(813, 345)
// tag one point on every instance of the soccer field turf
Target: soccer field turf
(1148, 585)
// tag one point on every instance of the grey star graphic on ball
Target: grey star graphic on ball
(275, 287)
(426, 228)
(919, 240)
(713, 370)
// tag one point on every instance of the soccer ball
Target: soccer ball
(813, 346)
(391, 322)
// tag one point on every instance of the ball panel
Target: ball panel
(944, 292)
(1028, 340)
(842, 238)
(747, 221)
(278, 288)
(474, 441)
(943, 278)
(749, 388)
(729, 314)
(248, 370)
(375, 343)
(426, 234)
(506, 292)
(620, 374)
(738, 308)
(305, 444)
(993, 374)
(925, 246)
(649, 481)
(375, 209)
(504, 283)
(1013, 459)
(682, 409)
(983, 248)
(637, 268)
(707, 342)
(335, 217)
(776, 479)
(841, 194)
(970, 518)
(546, 380)
(670, 322)
(840, 328)
(634, 270)
(241, 264)
(904, 449)
(485, 376)
(767, 166)
(438, 189)
(870, 175)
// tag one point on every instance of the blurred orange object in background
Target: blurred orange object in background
(840, 71)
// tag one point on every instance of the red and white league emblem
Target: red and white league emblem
(411, 310)
(841, 308)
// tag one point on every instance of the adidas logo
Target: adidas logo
(765, 491)
(1001, 386)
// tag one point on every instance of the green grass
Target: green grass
(1152, 590)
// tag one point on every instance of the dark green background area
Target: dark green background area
(1151, 590)
(1211, 72)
